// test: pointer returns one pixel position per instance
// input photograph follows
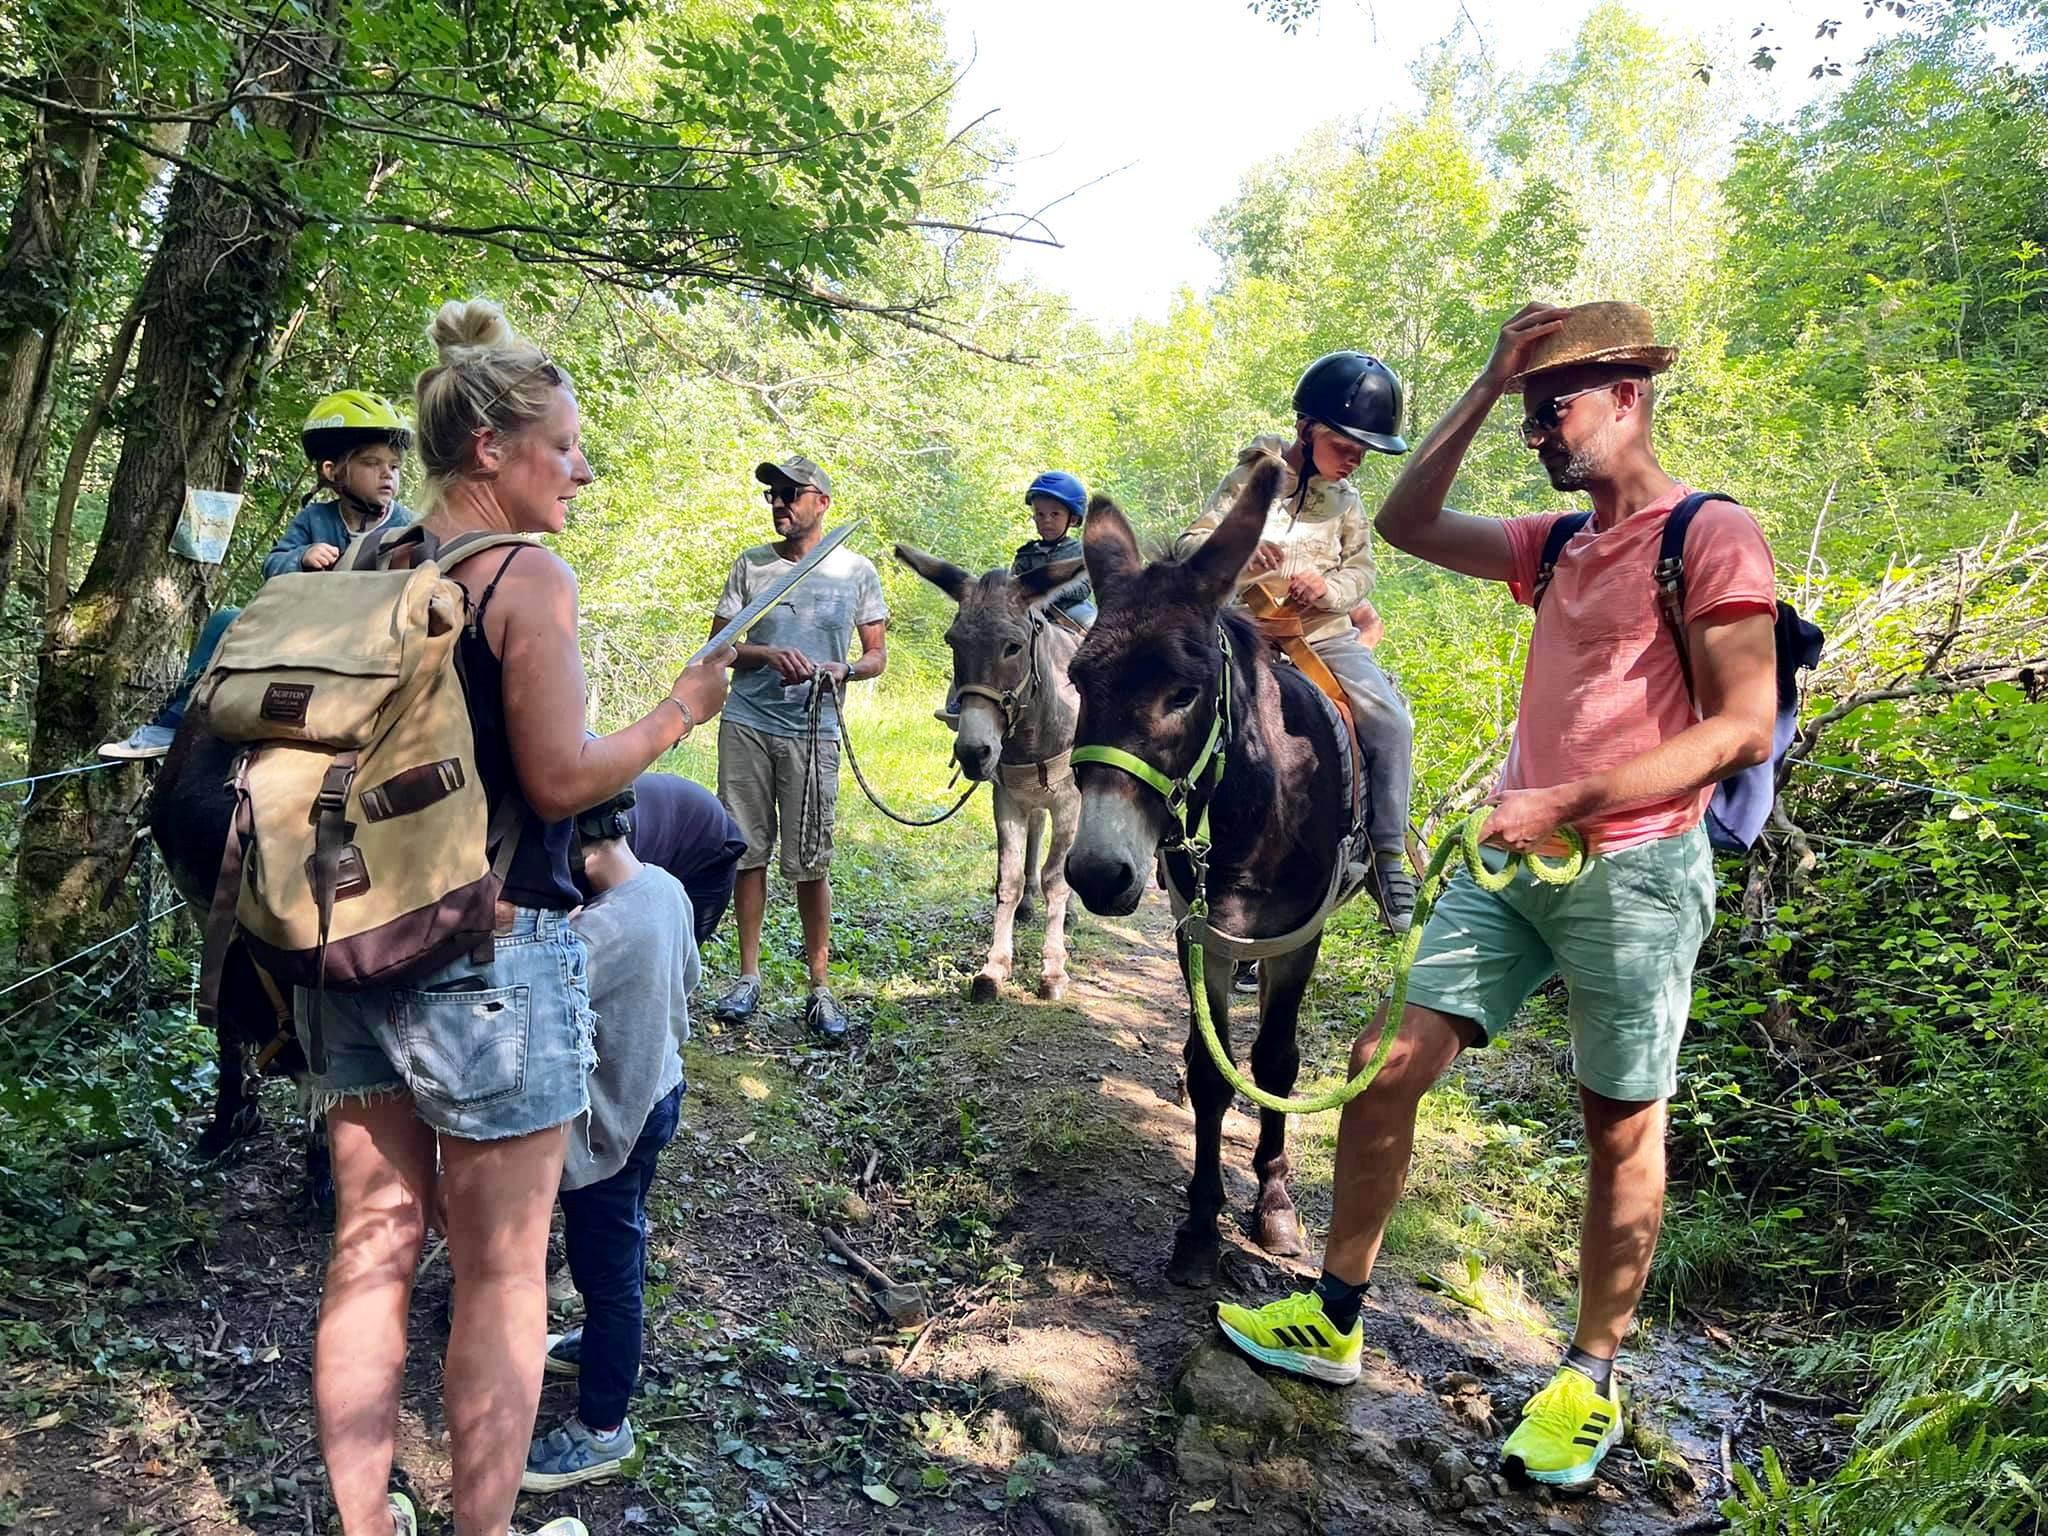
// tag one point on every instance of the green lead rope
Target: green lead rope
(1466, 841)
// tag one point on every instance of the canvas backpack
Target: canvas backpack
(361, 850)
(1742, 802)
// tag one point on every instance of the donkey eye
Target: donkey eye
(1013, 647)
(1182, 699)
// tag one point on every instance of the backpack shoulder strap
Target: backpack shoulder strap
(370, 551)
(463, 545)
(1670, 572)
(1562, 532)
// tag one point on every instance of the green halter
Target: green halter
(1207, 770)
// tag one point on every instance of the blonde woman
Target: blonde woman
(495, 1084)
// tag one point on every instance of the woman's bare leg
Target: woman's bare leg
(383, 1182)
(500, 1196)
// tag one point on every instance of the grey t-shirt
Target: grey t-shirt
(818, 619)
(643, 964)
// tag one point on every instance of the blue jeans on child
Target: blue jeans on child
(604, 1226)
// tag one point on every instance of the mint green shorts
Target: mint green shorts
(1624, 936)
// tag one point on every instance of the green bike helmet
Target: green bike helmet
(348, 419)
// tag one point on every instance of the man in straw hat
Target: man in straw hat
(1607, 741)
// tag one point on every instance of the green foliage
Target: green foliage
(1953, 1438)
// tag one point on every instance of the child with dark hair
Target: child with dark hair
(638, 928)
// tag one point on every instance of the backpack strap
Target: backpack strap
(370, 551)
(1669, 573)
(1562, 532)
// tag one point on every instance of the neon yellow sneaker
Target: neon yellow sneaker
(1295, 1334)
(1565, 1430)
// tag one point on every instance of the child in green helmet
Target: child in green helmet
(357, 444)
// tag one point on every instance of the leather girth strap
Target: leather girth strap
(1279, 622)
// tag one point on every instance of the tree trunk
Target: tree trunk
(38, 288)
(218, 284)
(57, 580)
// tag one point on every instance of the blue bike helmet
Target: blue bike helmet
(1062, 488)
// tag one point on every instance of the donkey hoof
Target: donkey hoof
(1194, 1260)
(986, 988)
(1052, 988)
(1279, 1233)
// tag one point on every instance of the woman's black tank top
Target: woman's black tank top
(539, 873)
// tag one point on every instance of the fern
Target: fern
(1954, 1441)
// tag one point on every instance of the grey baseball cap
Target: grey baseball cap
(794, 470)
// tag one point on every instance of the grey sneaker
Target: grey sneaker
(574, 1453)
(404, 1519)
(738, 1005)
(144, 741)
(564, 1525)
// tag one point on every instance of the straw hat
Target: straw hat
(1607, 332)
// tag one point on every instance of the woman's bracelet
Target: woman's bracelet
(689, 720)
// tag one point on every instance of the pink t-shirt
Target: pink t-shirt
(1602, 683)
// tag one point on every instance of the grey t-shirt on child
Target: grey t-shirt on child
(818, 619)
(643, 965)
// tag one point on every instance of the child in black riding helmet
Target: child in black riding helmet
(356, 442)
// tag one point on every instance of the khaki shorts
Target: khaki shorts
(761, 780)
(1624, 936)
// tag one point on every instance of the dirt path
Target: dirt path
(1023, 1165)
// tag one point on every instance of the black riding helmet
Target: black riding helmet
(1357, 395)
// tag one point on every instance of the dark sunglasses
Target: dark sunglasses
(545, 371)
(1549, 416)
(787, 495)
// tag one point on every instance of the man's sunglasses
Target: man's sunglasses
(786, 495)
(1549, 416)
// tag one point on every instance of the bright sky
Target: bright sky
(1190, 94)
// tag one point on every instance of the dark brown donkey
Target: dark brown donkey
(1148, 676)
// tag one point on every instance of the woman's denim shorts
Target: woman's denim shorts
(486, 1051)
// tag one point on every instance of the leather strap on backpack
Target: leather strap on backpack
(332, 833)
(227, 890)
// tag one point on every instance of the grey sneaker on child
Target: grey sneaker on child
(574, 1453)
(143, 741)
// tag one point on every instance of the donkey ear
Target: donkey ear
(944, 575)
(1218, 562)
(1108, 543)
(1038, 586)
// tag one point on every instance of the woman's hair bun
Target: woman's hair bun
(461, 325)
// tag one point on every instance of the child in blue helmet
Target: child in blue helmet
(1057, 501)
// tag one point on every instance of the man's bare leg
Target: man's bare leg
(1624, 1212)
(814, 906)
(749, 905)
(1376, 1136)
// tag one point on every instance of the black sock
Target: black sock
(1340, 1300)
(1599, 1372)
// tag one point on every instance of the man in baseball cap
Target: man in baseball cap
(778, 744)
